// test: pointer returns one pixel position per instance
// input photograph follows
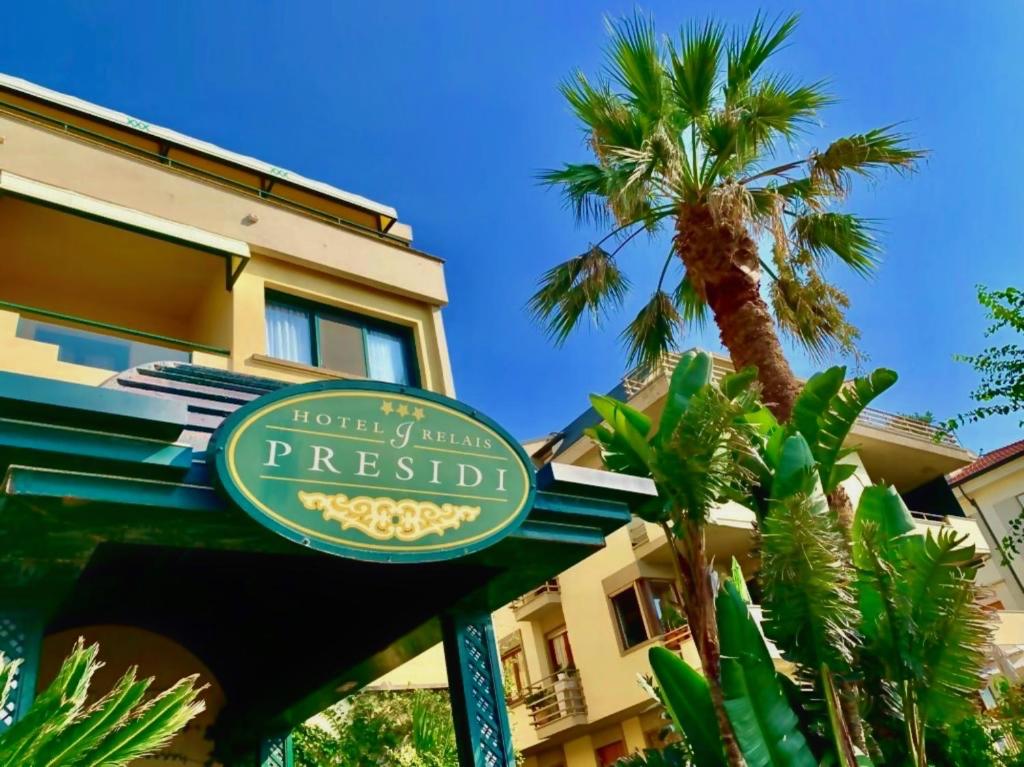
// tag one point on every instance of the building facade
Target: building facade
(159, 296)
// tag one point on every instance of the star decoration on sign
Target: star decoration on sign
(402, 410)
(387, 408)
(418, 414)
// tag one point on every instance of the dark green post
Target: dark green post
(477, 693)
(276, 751)
(21, 638)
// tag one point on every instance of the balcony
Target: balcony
(538, 604)
(39, 342)
(556, 703)
(121, 287)
(905, 452)
(963, 526)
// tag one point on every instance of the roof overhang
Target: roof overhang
(119, 118)
(235, 252)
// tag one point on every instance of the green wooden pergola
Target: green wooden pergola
(109, 516)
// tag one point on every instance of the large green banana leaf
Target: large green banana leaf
(688, 700)
(766, 727)
(825, 412)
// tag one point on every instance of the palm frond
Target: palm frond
(767, 198)
(864, 154)
(60, 728)
(695, 67)
(585, 189)
(151, 727)
(776, 106)
(952, 630)
(590, 283)
(606, 116)
(810, 609)
(635, 63)
(693, 309)
(810, 310)
(8, 676)
(848, 237)
(702, 462)
(748, 53)
(652, 332)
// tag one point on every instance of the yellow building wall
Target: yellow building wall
(59, 262)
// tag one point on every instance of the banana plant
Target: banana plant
(63, 728)
(925, 633)
(914, 616)
(765, 724)
(824, 413)
(701, 453)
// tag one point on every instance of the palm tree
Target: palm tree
(65, 727)
(696, 135)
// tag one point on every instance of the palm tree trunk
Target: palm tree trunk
(723, 265)
(748, 331)
(694, 578)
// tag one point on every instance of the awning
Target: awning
(234, 252)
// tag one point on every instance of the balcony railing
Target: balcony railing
(675, 638)
(913, 428)
(548, 587)
(82, 341)
(556, 697)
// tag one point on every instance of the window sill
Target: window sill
(299, 367)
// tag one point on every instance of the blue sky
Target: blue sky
(447, 111)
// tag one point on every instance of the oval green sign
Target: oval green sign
(374, 471)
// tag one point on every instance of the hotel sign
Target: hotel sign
(374, 471)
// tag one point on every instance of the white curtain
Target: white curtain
(288, 334)
(385, 354)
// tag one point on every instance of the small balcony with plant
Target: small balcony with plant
(556, 702)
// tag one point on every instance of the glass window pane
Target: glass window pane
(630, 619)
(341, 347)
(668, 613)
(386, 353)
(559, 651)
(288, 334)
(86, 347)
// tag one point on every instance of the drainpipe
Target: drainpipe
(999, 545)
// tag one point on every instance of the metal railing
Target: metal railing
(674, 638)
(555, 697)
(548, 587)
(635, 380)
(926, 517)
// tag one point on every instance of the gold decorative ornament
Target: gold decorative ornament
(385, 518)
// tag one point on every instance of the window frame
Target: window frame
(645, 599)
(644, 617)
(315, 310)
(521, 686)
(557, 633)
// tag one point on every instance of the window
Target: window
(666, 606)
(513, 665)
(630, 618)
(559, 650)
(310, 334)
(646, 609)
(610, 754)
